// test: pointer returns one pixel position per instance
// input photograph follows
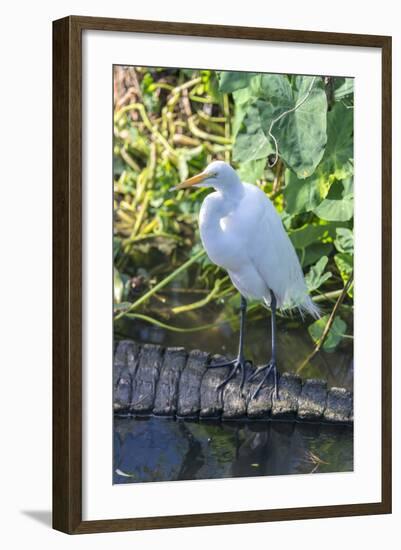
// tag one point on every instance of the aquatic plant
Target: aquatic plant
(290, 135)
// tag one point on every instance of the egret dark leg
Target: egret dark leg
(238, 364)
(271, 366)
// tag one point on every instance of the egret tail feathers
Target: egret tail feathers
(304, 306)
(308, 306)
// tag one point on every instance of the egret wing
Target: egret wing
(272, 254)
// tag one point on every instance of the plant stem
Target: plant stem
(328, 326)
(140, 216)
(170, 327)
(161, 284)
(327, 296)
(200, 303)
(179, 329)
(129, 160)
(139, 107)
(204, 135)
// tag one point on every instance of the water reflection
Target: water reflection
(156, 449)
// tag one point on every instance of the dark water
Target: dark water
(158, 449)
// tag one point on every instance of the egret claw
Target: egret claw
(267, 369)
(236, 365)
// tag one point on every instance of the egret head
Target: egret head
(217, 174)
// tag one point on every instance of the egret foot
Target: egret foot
(270, 368)
(236, 365)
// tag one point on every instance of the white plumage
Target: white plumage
(242, 232)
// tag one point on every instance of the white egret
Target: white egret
(242, 233)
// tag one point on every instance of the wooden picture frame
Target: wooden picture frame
(67, 273)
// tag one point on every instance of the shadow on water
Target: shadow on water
(156, 449)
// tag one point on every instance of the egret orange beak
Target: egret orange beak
(192, 181)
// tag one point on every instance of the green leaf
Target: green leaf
(339, 148)
(345, 266)
(229, 81)
(252, 170)
(333, 176)
(343, 87)
(244, 98)
(335, 335)
(246, 95)
(238, 119)
(316, 275)
(118, 165)
(308, 234)
(287, 219)
(313, 252)
(301, 195)
(344, 241)
(118, 287)
(117, 247)
(276, 88)
(251, 142)
(252, 92)
(340, 210)
(348, 186)
(301, 134)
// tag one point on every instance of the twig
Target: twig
(204, 135)
(129, 160)
(187, 85)
(139, 107)
(186, 103)
(210, 118)
(201, 303)
(186, 141)
(173, 328)
(141, 215)
(328, 326)
(137, 85)
(277, 179)
(327, 296)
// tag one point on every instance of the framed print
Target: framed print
(222, 275)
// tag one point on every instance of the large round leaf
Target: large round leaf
(309, 234)
(252, 170)
(340, 210)
(251, 142)
(300, 134)
(339, 147)
(301, 195)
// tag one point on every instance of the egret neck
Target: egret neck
(215, 213)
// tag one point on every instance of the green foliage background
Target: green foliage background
(169, 124)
